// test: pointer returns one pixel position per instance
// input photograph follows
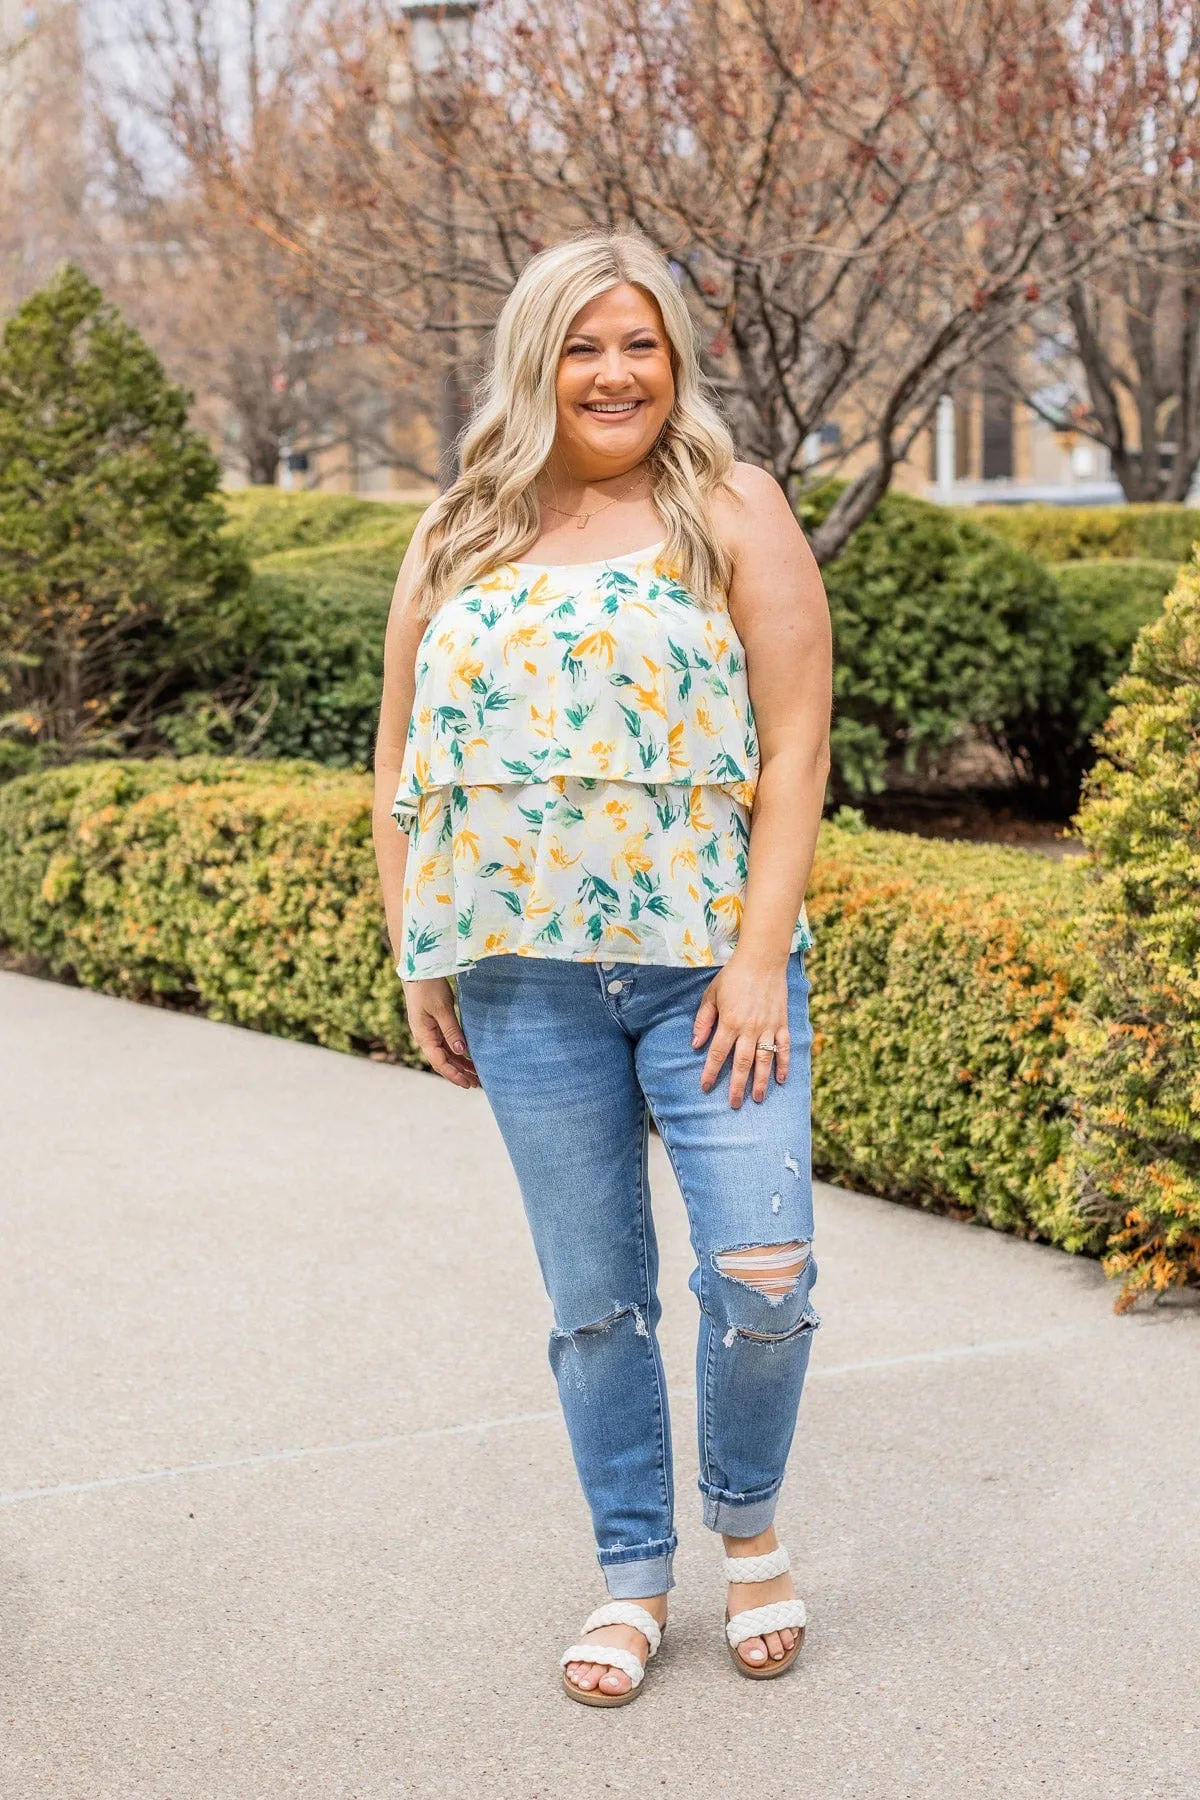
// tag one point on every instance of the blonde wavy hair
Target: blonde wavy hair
(490, 514)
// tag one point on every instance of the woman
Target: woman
(609, 648)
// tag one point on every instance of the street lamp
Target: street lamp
(438, 38)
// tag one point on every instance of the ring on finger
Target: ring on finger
(767, 1046)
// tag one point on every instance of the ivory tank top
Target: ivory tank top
(579, 772)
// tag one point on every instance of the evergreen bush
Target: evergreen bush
(118, 587)
(939, 628)
(1135, 1045)
(1105, 605)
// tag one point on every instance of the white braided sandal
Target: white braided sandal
(781, 1615)
(616, 1612)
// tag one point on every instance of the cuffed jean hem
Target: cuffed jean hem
(739, 1518)
(639, 1579)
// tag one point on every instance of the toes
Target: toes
(774, 1646)
(753, 1651)
(615, 1681)
(587, 1676)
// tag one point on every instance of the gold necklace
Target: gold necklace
(582, 519)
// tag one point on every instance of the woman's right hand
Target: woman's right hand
(435, 1025)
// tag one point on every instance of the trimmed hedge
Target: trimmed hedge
(245, 891)
(249, 891)
(1135, 1165)
(939, 627)
(1105, 605)
(302, 674)
(1082, 533)
(944, 977)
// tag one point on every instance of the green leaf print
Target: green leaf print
(576, 716)
(632, 719)
(710, 850)
(497, 700)
(451, 718)
(649, 753)
(724, 767)
(492, 868)
(521, 769)
(531, 814)
(551, 932)
(466, 920)
(682, 667)
(600, 893)
(619, 680)
(421, 945)
(512, 901)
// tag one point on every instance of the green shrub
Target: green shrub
(1085, 533)
(268, 520)
(997, 1035)
(939, 627)
(249, 891)
(246, 891)
(118, 590)
(1105, 605)
(303, 675)
(1135, 1165)
(944, 978)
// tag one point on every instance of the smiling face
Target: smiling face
(614, 385)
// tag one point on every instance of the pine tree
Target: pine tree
(116, 582)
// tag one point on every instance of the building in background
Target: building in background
(43, 169)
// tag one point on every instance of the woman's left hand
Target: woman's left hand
(746, 1003)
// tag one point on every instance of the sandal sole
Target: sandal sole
(593, 1697)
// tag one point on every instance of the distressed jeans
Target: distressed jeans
(573, 1058)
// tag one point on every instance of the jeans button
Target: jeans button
(614, 987)
(608, 965)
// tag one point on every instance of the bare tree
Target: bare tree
(1120, 354)
(854, 196)
(276, 363)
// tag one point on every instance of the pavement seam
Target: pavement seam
(952, 1353)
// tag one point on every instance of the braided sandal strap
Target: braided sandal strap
(757, 1568)
(626, 1612)
(625, 1660)
(784, 1615)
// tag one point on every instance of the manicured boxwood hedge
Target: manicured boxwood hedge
(944, 977)
(248, 891)
(245, 890)
(1083, 533)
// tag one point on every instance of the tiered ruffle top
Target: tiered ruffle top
(579, 772)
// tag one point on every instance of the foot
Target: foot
(621, 1637)
(744, 1595)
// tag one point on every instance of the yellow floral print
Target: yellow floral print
(579, 774)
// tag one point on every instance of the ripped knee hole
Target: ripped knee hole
(772, 1270)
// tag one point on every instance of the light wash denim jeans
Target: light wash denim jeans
(573, 1057)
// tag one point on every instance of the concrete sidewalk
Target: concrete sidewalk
(287, 1507)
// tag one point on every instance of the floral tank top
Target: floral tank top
(579, 772)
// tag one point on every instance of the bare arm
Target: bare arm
(778, 608)
(429, 1004)
(405, 628)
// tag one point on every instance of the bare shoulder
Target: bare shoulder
(753, 511)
